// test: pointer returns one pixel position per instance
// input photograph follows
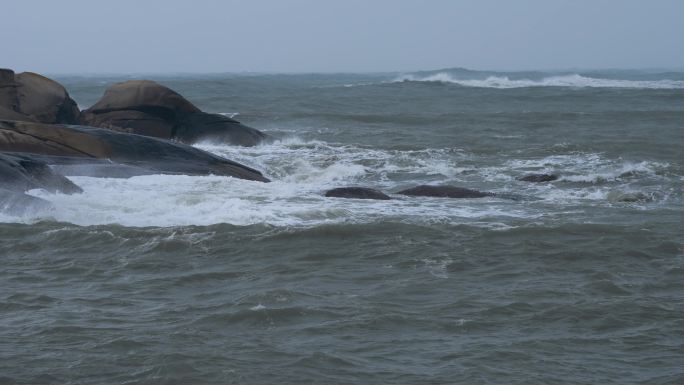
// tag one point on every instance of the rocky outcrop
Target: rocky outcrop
(136, 151)
(145, 107)
(21, 172)
(443, 192)
(356, 193)
(17, 204)
(142, 95)
(34, 98)
(538, 178)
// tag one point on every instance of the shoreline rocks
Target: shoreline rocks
(19, 172)
(160, 156)
(39, 129)
(148, 108)
(31, 97)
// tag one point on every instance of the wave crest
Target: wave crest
(572, 80)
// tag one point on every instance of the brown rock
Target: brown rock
(44, 99)
(142, 95)
(8, 114)
(147, 108)
(130, 121)
(31, 97)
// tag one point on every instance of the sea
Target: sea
(174, 279)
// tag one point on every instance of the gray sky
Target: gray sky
(124, 36)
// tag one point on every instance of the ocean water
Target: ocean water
(212, 280)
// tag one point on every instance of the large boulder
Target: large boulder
(443, 192)
(45, 100)
(21, 172)
(142, 95)
(356, 193)
(148, 108)
(31, 97)
(156, 155)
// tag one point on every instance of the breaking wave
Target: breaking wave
(573, 80)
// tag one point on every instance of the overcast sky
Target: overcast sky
(125, 36)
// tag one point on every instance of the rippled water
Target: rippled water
(201, 280)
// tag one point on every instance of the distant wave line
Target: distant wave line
(573, 80)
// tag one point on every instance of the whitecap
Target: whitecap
(572, 80)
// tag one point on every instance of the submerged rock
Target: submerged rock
(21, 172)
(156, 155)
(357, 193)
(629, 197)
(145, 107)
(31, 97)
(538, 178)
(443, 192)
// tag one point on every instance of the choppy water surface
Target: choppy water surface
(212, 280)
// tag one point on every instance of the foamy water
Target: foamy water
(303, 170)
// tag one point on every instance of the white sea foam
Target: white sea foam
(573, 80)
(229, 114)
(589, 168)
(173, 200)
(303, 170)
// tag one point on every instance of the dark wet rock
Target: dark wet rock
(356, 193)
(8, 91)
(32, 97)
(21, 172)
(9, 114)
(156, 155)
(145, 107)
(19, 204)
(198, 126)
(93, 167)
(443, 192)
(538, 178)
(132, 122)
